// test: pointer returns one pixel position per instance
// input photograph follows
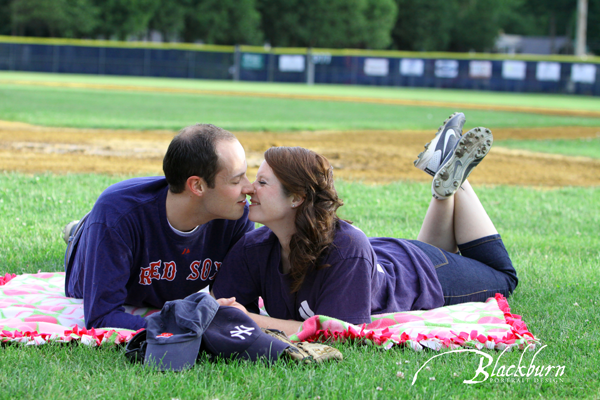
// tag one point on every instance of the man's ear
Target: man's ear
(196, 185)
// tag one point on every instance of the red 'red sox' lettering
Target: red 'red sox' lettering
(217, 268)
(201, 270)
(198, 270)
(169, 271)
(149, 273)
(206, 269)
(194, 274)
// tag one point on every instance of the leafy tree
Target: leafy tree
(223, 22)
(593, 26)
(477, 24)
(122, 18)
(520, 20)
(5, 25)
(542, 17)
(56, 18)
(424, 25)
(280, 21)
(328, 23)
(380, 18)
(169, 18)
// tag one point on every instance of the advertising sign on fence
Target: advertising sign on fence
(321, 58)
(513, 69)
(291, 63)
(412, 67)
(480, 69)
(583, 73)
(377, 66)
(446, 68)
(547, 71)
(253, 61)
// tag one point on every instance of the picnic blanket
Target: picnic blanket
(34, 311)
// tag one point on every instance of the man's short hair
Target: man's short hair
(193, 152)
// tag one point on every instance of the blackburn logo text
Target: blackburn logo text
(505, 373)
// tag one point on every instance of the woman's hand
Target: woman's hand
(230, 302)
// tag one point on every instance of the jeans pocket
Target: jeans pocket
(436, 255)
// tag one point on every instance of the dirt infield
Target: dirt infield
(368, 156)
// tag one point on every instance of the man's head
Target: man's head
(193, 152)
(209, 164)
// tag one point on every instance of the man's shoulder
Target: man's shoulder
(128, 198)
(135, 186)
(134, 191)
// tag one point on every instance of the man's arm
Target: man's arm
(106, 273)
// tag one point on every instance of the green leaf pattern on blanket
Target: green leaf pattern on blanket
(37, 303)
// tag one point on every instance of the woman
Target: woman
(306, 261)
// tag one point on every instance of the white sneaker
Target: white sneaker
(457, 166)
(68, 230)
(444, 142)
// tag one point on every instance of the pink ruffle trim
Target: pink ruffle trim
(6, 278)
(518, 336)
(91, 337)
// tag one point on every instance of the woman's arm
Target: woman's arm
(289, 327)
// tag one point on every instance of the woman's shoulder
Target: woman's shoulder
(348, 230)
(262, 236)
(351, 241)
(255, 243)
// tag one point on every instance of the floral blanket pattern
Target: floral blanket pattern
(473, 325)
(34, 311)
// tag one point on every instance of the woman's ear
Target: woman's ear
(297, 200)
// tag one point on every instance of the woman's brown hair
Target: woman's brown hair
(304, 173)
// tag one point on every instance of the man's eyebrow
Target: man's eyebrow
(239, 175)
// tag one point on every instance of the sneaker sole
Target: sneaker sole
(421, 161)
(470, 150)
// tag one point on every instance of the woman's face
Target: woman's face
(268, 203)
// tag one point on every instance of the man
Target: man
(151, 240)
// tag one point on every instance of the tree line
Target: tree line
(415, 25)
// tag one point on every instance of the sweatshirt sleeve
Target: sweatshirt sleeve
(236, 279)
(108, 263)
(347, 292)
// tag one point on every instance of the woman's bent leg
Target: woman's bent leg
(483, 269)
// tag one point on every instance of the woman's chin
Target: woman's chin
(254, 218)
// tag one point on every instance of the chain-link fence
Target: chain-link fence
(554, 74)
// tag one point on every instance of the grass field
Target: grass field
(552, 236)
(544, 232)
(121, 106)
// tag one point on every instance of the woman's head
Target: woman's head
(307, 190)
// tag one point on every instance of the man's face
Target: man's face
(228, 198)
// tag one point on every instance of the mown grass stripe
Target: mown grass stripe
(319, 97)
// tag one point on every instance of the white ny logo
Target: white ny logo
(241, 330)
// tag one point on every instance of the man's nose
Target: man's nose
(248, 187)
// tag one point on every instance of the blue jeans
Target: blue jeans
(481, 269)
